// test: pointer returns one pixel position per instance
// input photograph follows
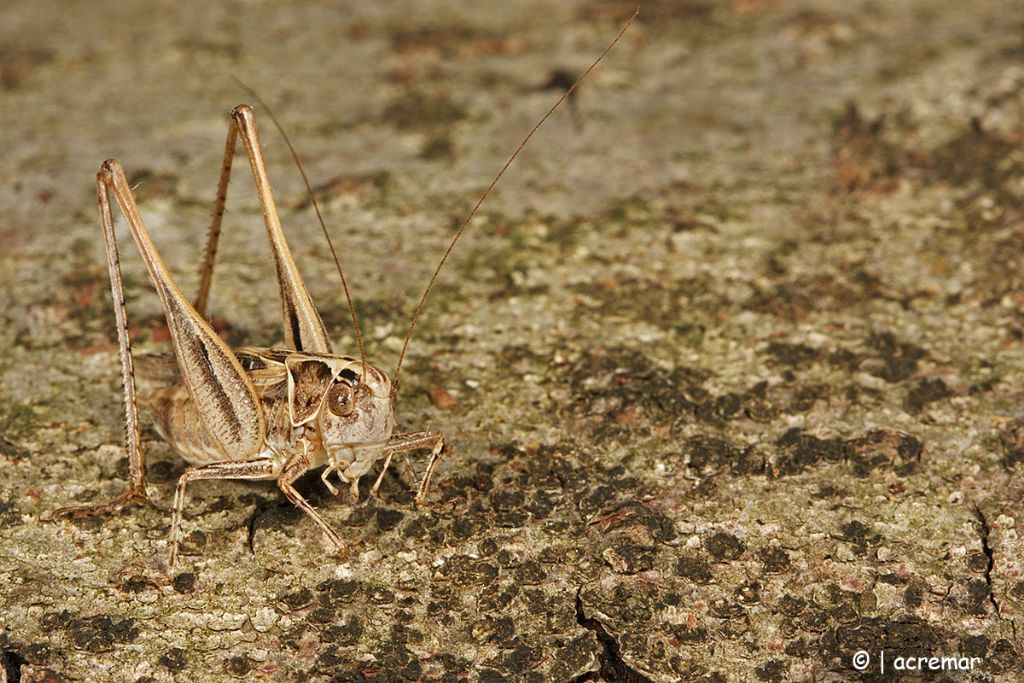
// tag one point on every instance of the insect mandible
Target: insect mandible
(262, 413)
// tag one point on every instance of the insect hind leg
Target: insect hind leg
(303, 327)
(135, 490)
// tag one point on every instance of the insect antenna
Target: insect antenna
(465, 223)
(319, 216)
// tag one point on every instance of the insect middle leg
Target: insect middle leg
(239, 469)
(295, 467)
(286, 475)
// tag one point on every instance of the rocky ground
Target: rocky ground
(732, 361)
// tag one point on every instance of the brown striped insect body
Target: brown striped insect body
(344, 414)
(260, 413)
(250, 413)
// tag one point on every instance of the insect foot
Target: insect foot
(130, 494)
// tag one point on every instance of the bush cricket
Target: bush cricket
(263, 413)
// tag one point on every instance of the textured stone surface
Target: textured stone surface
(732, 360)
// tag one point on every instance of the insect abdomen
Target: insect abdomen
(177, 421)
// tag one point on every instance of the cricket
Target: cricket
(262, 413)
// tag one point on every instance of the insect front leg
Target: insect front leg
(400, 443)
(440, 450)
(380, 477)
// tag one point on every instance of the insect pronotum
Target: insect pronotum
(262, 413)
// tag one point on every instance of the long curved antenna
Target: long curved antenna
(476, 207)
(319, 216)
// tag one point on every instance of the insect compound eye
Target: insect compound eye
(340, 400)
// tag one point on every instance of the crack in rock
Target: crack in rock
(984, 530)
(10, 666)
(614, 668)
